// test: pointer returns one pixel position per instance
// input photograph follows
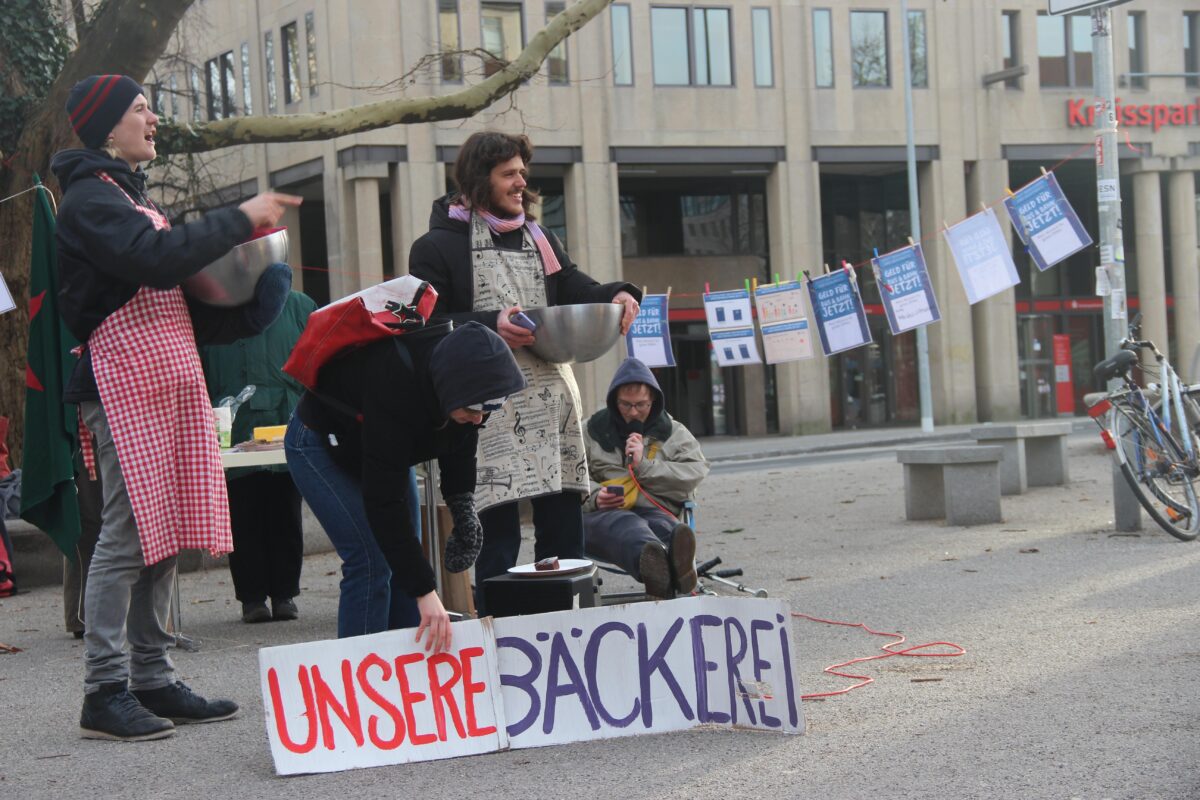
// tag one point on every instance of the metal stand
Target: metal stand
(182, 640)
(705, 572)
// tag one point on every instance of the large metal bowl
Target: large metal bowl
(230, 280)
(575, 333)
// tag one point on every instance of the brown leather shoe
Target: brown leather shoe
(682, 556)
(655, 570)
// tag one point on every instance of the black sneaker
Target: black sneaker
(682, 555)
(112, 712)
(655, 570)
(181, 705)
(284, 608)
(255, 612)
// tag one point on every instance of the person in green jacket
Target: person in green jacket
(264, 504)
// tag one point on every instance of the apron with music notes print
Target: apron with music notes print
(534, 445)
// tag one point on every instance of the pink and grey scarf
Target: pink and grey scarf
(504, 225)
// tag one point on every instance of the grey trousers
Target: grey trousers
(91, 500)
(619, 536)
(126, 602)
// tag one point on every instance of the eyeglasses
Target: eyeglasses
(488, 406)
(642, 405)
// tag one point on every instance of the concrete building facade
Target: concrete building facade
(690, 144)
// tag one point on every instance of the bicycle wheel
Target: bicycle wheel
(1158, 472)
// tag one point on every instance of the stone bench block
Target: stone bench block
(1035, 453)
(961, 484)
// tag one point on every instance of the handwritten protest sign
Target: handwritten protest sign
(785, 331)
(904, 286)
(1045, 222)
(838, 309)
(649, 337)
(981, 253)
(530, 682)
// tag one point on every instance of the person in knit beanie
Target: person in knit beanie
(121, 264)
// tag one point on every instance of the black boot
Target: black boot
(181, 705)
(112, 712)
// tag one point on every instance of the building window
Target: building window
(174, 84)
(1191, 47)
(1136, 25)
(247, 102)
(823, 47)
(194, 81)
(1010, 44)
(764, 61)
(666, 223)
(290, 42)
(310, 40)
(918, 49)
(1064, 50)
(622, 49)
(869, 48)
(502, 37)
(702, 56)
(556, 62)
(157, 99)
(452, 71)
(269, 61)
(221, 86)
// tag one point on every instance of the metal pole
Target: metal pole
(914, 213)
(1127, 515)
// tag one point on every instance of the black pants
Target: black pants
(558, 531)
(268, 540)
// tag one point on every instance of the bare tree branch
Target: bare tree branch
(331, 124)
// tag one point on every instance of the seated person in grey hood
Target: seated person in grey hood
(376, 411)
(644, 466)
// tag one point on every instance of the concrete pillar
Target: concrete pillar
(994, 320)
(415, 184)
(1185, 270)
(362, 250)
(793, 219)
(1151, 270)
(951, 349)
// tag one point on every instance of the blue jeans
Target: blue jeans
(368, 603)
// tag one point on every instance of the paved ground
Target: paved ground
(1077, 682)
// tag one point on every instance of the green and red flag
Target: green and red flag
(48, 497)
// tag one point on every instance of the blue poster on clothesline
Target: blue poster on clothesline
(649, 337)
(1045, 222)
(903, 281)
(838, 309)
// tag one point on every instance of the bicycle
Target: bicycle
(1152, 433)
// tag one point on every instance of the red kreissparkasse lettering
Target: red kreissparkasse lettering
(411, 698)
(441, 695)
(470, 689)
(277, 710)
(378, 699)
(325, 700)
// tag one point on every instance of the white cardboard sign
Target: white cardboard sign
(531, 681)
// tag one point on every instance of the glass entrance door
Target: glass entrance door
(1035, 364)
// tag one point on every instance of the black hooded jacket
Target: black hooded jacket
(443, 257)
(107, 250)
(404, 389)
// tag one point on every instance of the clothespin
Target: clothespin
(983, 206)
(668, 292)
(1009, 192)
(747, 286)
(777, 277)
(911, 243)
(876, 251)
(644, 291)
(706, 289)
(754, 285)
(1043, 171)
(945, 227)
(826, 268)
(806, 275)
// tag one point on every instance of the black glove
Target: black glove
(466, 539)
(270, 295)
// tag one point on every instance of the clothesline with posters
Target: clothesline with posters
(1039, 212)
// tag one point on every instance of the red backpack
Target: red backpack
(387, 309)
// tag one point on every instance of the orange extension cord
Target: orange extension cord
(863, 680)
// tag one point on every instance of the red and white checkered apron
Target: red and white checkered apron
(152, 387)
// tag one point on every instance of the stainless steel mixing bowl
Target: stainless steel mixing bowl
(575, 333)
(230, 280)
